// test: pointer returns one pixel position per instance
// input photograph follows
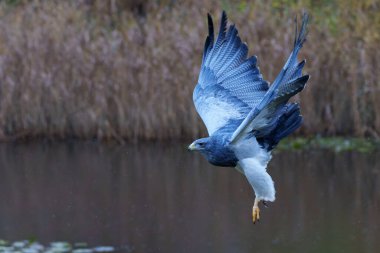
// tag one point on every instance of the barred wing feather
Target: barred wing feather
(266, 115)
(230, 84)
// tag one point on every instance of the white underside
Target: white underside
(216, 113)
(253, 162)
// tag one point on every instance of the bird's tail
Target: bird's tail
(287, 123)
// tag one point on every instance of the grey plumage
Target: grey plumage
(244, 115)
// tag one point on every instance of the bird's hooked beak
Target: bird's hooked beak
(192, 147)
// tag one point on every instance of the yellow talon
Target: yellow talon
(256, 211)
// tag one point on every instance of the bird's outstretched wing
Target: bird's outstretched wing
(273, 116)
(230, 84)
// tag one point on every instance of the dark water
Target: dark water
(160, 198)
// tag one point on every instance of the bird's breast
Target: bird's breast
(223, 158)
(224, 163)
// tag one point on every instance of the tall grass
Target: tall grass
(113, 69)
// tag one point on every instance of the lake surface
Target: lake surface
(162, 198)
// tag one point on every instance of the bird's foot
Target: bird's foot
(256, 212)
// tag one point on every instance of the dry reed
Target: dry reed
(117, 69)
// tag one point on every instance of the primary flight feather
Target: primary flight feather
(245, 116)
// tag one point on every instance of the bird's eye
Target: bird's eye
(201, 144)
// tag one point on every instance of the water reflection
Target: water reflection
(160, 198)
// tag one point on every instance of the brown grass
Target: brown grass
(126, 69)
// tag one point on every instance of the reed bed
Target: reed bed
(113, 69)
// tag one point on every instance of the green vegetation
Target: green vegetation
(337, 144)
(114, 69)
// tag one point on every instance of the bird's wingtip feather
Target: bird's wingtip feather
(210, 26)
(223, 23)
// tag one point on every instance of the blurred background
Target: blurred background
(96, 113)
(123, 69)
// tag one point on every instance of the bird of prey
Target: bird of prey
(245, 116)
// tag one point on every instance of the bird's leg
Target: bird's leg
(256, 211)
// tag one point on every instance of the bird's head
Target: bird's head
(200, 145)
(216, 150)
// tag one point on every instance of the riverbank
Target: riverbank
(336, 144)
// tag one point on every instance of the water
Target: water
(161, 198)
